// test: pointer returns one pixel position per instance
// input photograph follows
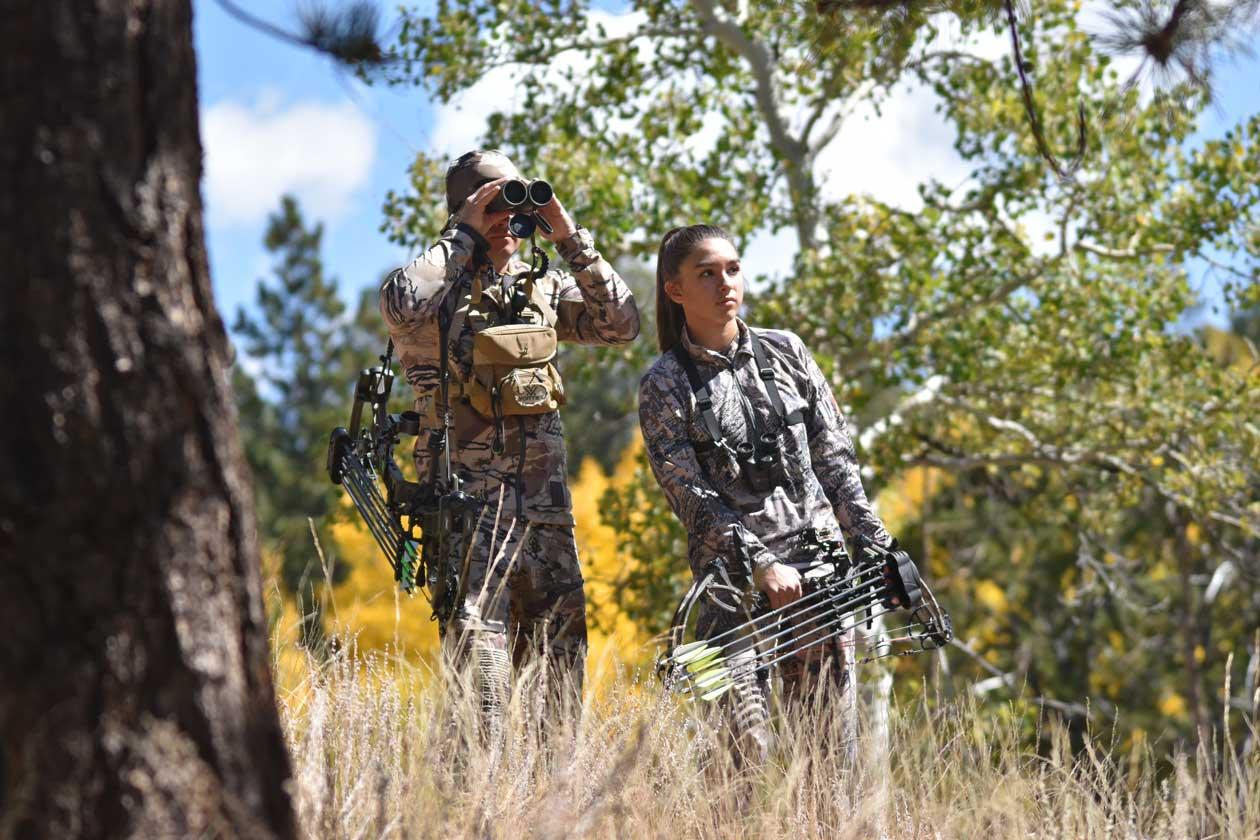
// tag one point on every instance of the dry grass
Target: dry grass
(383, 749)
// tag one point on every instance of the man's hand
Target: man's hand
(473, 212)
(562, 224)
(782, 583)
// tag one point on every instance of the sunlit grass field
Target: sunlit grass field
(385, 747)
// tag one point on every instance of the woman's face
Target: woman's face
(710, 284)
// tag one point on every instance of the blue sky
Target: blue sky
(276, 118)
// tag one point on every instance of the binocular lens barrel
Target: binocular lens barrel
(540, 192)
(527, 196)
(515, 193)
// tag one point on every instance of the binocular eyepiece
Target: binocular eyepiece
(524, 199)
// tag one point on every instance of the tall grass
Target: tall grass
(384, 748)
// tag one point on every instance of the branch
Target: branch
(929, 392)
(1008, 680)
(1131, 252)
(348, 37)
(1229, 269)
(1047, 455)
(941, 55)
(959, 307)
(1066, 175)
(587, 46)
(837, 120)
(760, 61)
(794, 152)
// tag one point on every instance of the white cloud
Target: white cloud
(461, 124)
(888, 154)
(907, 143)
(320, 152)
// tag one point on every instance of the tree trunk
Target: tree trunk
(136, 698)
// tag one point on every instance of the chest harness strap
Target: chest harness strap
(704, 399)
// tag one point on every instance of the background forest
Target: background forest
(1073, 462)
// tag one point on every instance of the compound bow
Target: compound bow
(838, 600)
(417, 526)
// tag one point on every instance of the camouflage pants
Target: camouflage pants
(522, 598)
(818, 693)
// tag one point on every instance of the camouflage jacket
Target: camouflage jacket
(703, 483)
(592, 305)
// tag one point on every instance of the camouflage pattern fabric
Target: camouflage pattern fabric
(522, 596)
(816, 684)
(725, 520)
(722, 517)
(523, 583)
(593, 305)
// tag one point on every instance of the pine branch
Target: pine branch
(348, 35)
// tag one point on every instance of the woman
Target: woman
(765, 476)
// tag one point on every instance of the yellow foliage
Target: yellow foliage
(1172, 704)
(283, 622)
(613, 636)
(991, 596)
(902, 501)
(368, 604)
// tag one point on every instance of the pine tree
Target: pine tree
(137, 699)
(305, 352)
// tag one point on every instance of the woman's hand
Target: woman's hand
(562, 224)
(473, 211)
(781, 583)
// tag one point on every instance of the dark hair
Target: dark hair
(676, 246)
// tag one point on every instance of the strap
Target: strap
(767, 375)
(454, 328)
(440, 468)
(540, 300)
(704, 400)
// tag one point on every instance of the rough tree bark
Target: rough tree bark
(136, 698)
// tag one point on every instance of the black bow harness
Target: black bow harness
(882, 581)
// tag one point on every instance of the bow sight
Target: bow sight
(417, 526)
(882, 581)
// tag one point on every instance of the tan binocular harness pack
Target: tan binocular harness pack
(512, 371)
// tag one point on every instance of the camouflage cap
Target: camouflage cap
(472, 169)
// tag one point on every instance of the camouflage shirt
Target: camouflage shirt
(592, 305)
(703, 483)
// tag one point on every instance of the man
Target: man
(522, 588)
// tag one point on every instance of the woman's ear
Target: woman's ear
(673, 290)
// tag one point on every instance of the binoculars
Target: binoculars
(761, 465)
(523, 199)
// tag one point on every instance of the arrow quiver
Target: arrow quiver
(420, 527)
(841, 594)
